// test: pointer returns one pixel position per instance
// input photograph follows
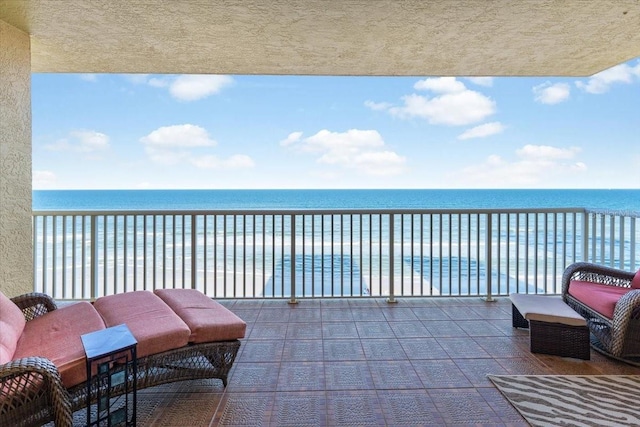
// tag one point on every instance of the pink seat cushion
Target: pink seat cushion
(56, 336)
(12, 324)
(154, 325)
(601, 298)
(207, 319)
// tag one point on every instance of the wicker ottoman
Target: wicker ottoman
(554, 328)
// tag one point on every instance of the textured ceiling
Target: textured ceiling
(329, 37)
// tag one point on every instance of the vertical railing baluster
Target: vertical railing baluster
(422, 256)
(144, 252)
(282, 256)
(459, 243)
(303, 255)
(313, 255)
(54, 256)
(401, 254)
(115, 254)
(380, 252)
(450, 253)
(332, 255)
(351, 262)
(621, 244)
(205, 252)
(135, 252)
(164, 254)
(94, 257)
(253, 244)
(125, 253)
(292, 299)
(322, 290)
(392, 298)
(215, 255)
(194, 251)
(518, 255)
(34, 253)
(488, 256)
(632, 244)
(341, 255)
(64, 257)
(235, 253)
(468, 216)
(105, 254)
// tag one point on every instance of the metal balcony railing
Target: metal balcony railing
(325, 253)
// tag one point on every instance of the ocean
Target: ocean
(617, 200)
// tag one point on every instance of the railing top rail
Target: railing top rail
(633, 214)
(407, 211)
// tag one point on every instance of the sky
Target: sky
(137, 131)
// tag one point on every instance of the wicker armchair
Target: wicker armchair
(618, 336)
(32, 392)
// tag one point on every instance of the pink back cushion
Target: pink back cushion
(635, 283)
(12, 323)
(56, 336)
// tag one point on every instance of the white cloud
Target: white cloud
(186, 135)
(534, 166)
(601, 82)
(361, 150)
(43, 179)
(481, 81)
(547, 152)
(482, 131)
(547, 93)
(292, 138)
(453, 105)
(440, 85)
(454, 109)
(172, 145)
(185, 87)
(81, 141)
(191, 87)
(377, 106)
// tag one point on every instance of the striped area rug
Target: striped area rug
(573, 400)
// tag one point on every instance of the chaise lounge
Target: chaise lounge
(609, 299)
(182, 334)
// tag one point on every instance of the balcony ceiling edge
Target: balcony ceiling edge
(327, 37)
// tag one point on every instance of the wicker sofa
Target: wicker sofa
(181, 334)
(609, 299)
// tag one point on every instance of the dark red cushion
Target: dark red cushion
(601, 298)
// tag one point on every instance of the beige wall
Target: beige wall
(16, 259)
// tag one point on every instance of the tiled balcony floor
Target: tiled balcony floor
(420, 362)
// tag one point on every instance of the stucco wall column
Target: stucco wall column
(16, 258)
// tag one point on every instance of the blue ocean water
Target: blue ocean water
(617, 200)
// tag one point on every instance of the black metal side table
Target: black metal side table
(112, 370)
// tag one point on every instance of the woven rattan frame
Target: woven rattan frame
(620, 336)
(32, 394)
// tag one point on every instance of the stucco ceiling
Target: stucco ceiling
(329, 37)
